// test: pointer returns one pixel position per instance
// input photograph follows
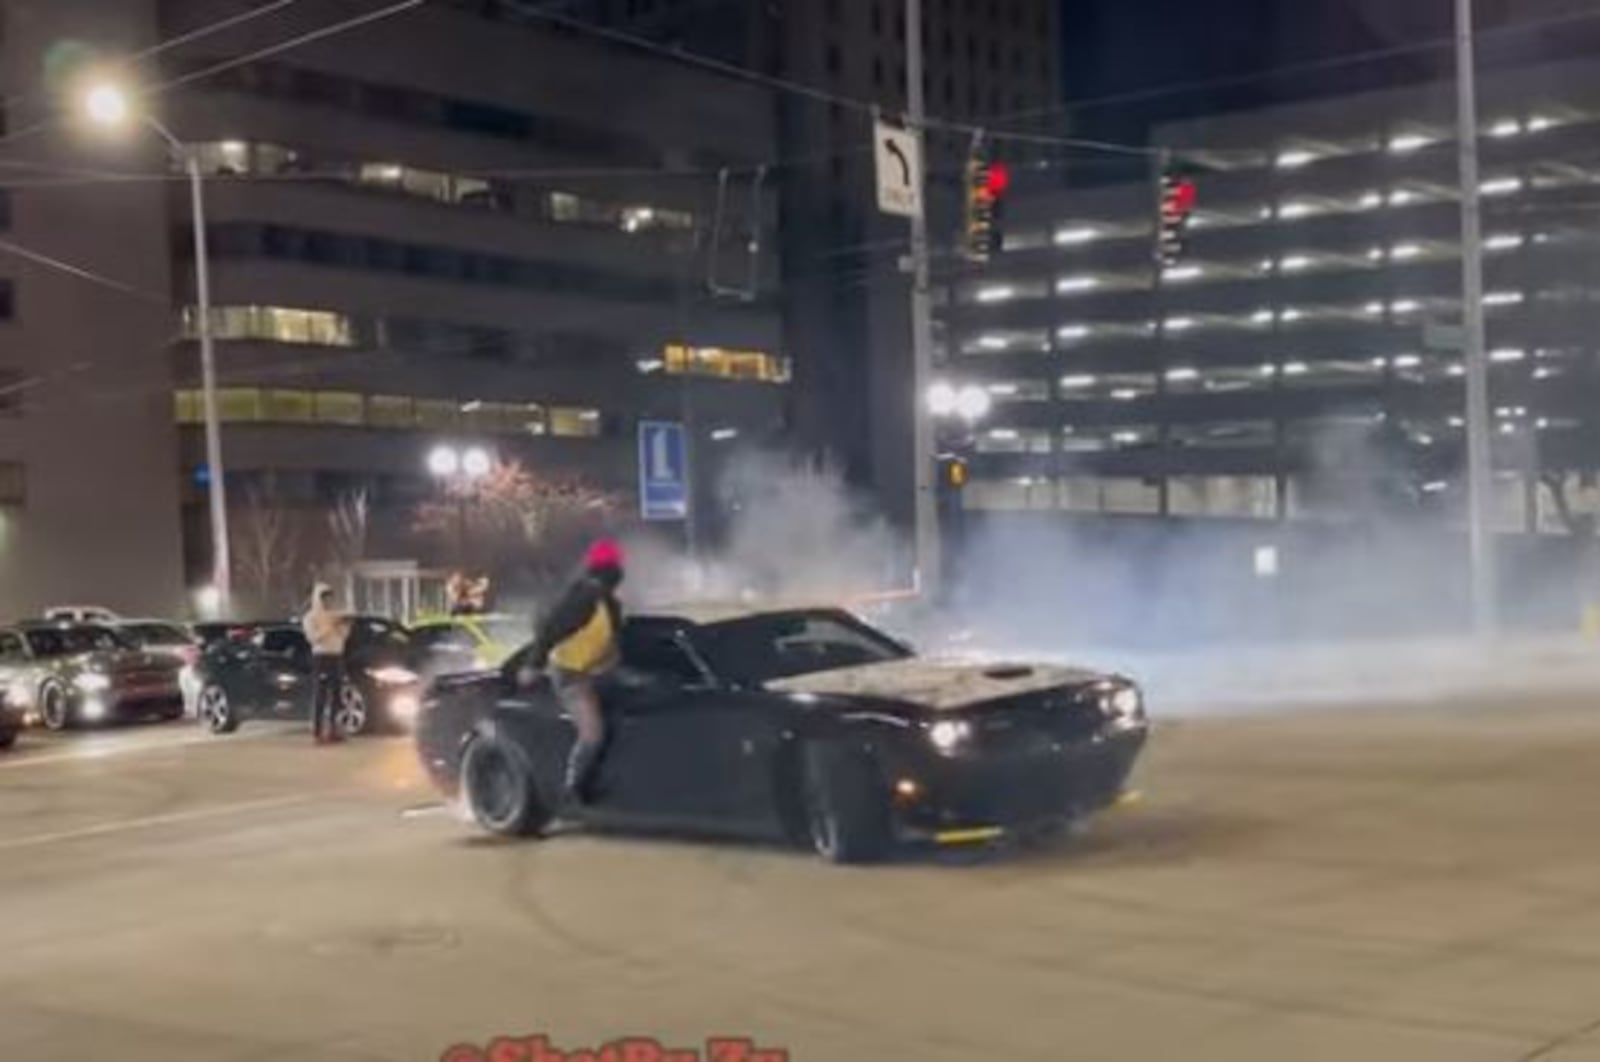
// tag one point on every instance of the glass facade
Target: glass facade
(257, 405)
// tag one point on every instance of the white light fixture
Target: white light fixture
(1373, 309)
(1125, 394)
(1074, 285)
(1292, 315)
(476, 463)
(1004, 434)
(1266, 562)
(1406, 251)
(1539, 123)
(724, 434)
(1508, 241)
(973, 403)
(1072, 332)
(1406, 306)
(1457, 369)
(1407, 143)
(1003, 390)
(1261, 317)
(1544, 423)
(1458, 422)
(941, 399)
(106, 105)
(1269, 369)
(993, 342)
(1508, 127)
(1182, 273)
(1075, 237)
(1404, 197)
(1372, 200)
(1506, 355)
(1502, 186)
(1375, 254)
(1294, 211)
(1378, 363)
(1407, 361)
(1295, 263)
(1178, 324)
(234, 149)
(1079, 381)
(1294, 159)
(1182, 374)
(650, 365)
(444, 461)
(996, 294)
(1295, 368)
(1503, 298)
(1126, 438)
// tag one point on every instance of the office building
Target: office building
(435, 228)
(1302, 360)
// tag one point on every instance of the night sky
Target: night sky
(1121, 46)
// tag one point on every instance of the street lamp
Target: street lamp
(457, 470)
(107, 104)
(971, 403)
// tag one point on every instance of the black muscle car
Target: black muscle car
(66, 675)
(804, 725)
(266, 674)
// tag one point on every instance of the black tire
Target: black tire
(7, 738)
(55, 707)
(352, 712)
(215, 710)
(498, 783)
(847, 807)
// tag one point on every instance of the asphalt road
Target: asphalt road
(1369, 884)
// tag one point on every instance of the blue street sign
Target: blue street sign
(663, 471)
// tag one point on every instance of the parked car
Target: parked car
(74, 674)
(267, 675)
(476, 642)
(806, 725)
(80, 614)
(13, 718)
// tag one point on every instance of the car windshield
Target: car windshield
(782, 645)
(367, 632)
(69, 641)
(153, 634)
(506, 630)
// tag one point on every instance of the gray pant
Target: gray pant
(582, 701)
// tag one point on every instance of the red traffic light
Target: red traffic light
(996, 178)
(1181, 196)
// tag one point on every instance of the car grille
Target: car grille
(1066, 714)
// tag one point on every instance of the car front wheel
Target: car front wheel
(350, 714)
(217, 711)
(500, 789)
(847, 812)
(55, 710)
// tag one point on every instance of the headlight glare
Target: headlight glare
(1123, 703)
(946, 734)
(92, 682)
(392, 675)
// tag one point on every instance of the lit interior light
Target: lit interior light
(997, 294)
(1375, 254)
(1508, 241)
(1457, 369)
(1293, 160)
(1181, 273)
(1126, 438)
(1406, 251)
(1269, 369)
(1407, 361)
(650, 365)
(1458, 422)
(1508, 127)
(1078, 382)
(1292, 211)
(1506, 355)
(1070, 332)
(1125, 394)
(1004, 434)
(1503, 298)
(1502, 186)
(1179, 324)
(1371, 201)
(1292, 315)
(993, 342)
(1404, 197)
(1075, 237)
(1072, 285)
(1182, 374)
(1295, 368)
(1378, 363)
(1405, 144)
(1406, 306)
(1373, 309)
(1003, 390)
(1539, 124)
(724, 434)
(1297, 262)
(1261, 317)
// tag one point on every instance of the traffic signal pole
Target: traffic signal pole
(928, 554)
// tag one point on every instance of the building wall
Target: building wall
(92, 432)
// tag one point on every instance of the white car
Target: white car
(80, 614)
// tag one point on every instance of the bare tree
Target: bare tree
(267, 545)
(348, 524)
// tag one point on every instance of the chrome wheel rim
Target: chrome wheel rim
(214, 708)
(351, 715)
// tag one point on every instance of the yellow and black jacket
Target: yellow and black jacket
(580, 634)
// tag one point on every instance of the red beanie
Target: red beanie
(604, 553)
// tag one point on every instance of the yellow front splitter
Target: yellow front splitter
(976, 835)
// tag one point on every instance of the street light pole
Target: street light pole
(928, 556)
(1480, 456)
(217, 491)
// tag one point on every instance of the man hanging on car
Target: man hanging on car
(327, 630)
(578, 643)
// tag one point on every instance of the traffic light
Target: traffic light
(1178, 196)
(987, 182)
(952, 472)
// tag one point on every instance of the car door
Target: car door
(16, 667)
(675, 740)
(279, 674)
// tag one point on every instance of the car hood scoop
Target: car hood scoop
(938, 684)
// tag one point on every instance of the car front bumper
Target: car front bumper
(981, 796)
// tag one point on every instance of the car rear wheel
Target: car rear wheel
(216, 710)
(498, 782)
(847, 812)
(350, 714)
(55, 711)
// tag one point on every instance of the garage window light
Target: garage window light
(1294, 211)
(1178, 324)
(1182, 374)
(1078, 382)
(1406, 251)
(1182, 273)
(1502, 298)
(1407, 361)
(1293, 160)
(1508, 241)
(1406, 306)
(999, 293)
(1502, 186)
(1506, 355)
(1405, 144)
(1508, 127)
(1075, 285)
(993, 342)
(1075, 237)
(1072, 332)
(1296, 262)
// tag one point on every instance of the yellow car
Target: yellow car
(491, 638)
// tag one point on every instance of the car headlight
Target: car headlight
(1123, 704)
(482, 663)
(92, 682)
(947, 734)
(392, 676)
(404, 708)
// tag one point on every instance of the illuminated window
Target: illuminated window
(1253, 497)
(437, 413)
(1014, 441)
(239, 403)
(288, 407)
(275, 324)
(727, 364)
(391, 411)
(573, 422)
(340, 407)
